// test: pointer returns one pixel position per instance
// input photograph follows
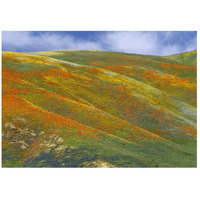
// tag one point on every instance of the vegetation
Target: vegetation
(98, 109)
(189, 58)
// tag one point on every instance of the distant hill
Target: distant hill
(90, 108)
(189, 58)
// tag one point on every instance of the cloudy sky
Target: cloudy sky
(148, 42)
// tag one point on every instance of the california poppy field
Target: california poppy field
(95, 108)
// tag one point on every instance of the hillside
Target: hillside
(189, 58)
(98, 109)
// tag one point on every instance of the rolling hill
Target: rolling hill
(92, 108)
(189, 58)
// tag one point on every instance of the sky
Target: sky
(141, 42)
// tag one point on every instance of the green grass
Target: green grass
(73, 108)
(189, 58)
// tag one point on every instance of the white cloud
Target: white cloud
(131, 42)
(46, 41)
(149, 42)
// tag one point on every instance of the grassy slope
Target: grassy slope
(82, 108)
(188, 58)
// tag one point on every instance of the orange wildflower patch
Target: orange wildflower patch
(165, 80)
(177, 66)
(11, 75)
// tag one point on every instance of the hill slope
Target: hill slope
(97, 109)
(189, 58)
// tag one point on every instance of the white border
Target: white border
(97, 184)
